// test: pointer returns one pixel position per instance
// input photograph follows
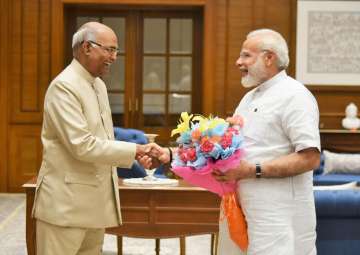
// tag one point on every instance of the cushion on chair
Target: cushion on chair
(130, 135)
(136, 171)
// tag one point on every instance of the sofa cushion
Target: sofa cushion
(338, 222)
(337, 203)
(341, 163)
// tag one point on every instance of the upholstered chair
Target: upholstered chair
(136, 170)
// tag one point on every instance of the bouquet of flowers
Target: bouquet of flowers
(211, 143)
(206, 144)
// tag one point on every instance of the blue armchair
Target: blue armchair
(136, 170)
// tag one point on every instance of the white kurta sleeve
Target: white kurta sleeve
(300, 121)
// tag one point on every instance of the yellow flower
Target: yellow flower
(203, 124)
(183, 125)
(213, 122)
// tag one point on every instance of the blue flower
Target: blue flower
(219, 130)
(184, 138)
(227, 153)
(216, 152)
(237, 141)
(177, 161)
(199, 162)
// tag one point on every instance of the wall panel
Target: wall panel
(28, 78)
(3, 92)
(245, 16)
(29, 43)
(221, 56)
(30, 62)
(24, 155)
(241, 21)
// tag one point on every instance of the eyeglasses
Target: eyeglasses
(110, 50)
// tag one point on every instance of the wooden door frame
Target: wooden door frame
(209, 47)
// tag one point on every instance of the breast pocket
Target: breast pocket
(256, 126)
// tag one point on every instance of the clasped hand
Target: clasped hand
(151, 155)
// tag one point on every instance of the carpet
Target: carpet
(12, 235)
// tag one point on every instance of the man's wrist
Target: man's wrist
(139, 150)
(170, 155)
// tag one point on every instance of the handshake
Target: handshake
(152, 155)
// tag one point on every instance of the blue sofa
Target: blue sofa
(335, 179)
(136, 170)
(338, 222)
(337, 213)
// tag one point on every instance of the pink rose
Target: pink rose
(182, 154)
(236, 120)
(226, 140)
(206, 146)
(191, 154)
(232, 130)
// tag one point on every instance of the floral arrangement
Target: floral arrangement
(212, 143)
(206, 144)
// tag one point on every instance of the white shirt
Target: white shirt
(281, 116)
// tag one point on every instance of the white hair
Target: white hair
(85, 33)
(275, 42)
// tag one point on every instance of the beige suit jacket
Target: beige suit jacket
(77, 181)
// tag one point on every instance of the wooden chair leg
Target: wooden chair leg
(214, 243)
(157, 246)
(182, 245)
(120, 245)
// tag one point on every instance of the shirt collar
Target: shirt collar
(275, 79)
(82, 71)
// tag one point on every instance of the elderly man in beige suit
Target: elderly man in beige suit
(76, 194)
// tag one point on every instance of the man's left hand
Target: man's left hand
(243, 171)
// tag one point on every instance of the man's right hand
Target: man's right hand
(152, 155)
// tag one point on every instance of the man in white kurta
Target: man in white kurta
(282, 146)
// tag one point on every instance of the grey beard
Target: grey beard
(249, 81)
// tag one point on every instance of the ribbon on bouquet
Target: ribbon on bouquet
(235, 219)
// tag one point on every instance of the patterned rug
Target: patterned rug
(12, 235)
